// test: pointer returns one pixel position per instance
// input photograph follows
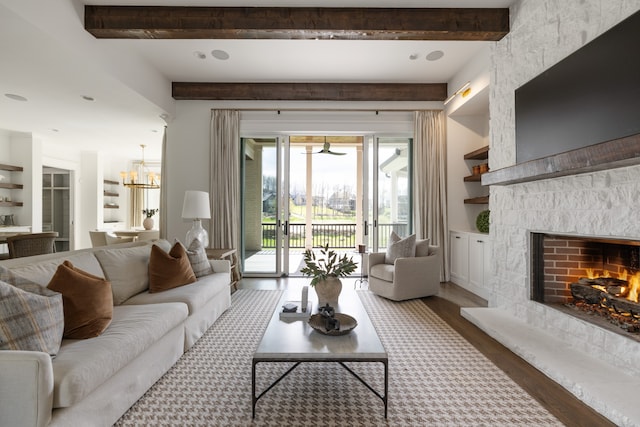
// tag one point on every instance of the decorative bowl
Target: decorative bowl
(347, 323)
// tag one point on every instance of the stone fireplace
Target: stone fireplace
(557, 197)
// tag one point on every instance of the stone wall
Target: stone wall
(603, 203)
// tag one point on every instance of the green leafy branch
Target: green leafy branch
(326, 265)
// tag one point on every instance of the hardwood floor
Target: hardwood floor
(562, 404)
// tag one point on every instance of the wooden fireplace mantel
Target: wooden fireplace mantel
(605, 155)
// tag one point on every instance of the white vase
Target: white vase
(328, 291)
(148, 223)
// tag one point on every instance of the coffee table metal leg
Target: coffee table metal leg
(253, 389)
(253, 385)
(386, 383)
(386, 386)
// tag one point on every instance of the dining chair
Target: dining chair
(112, 239)
(98, 238)
(23, 245)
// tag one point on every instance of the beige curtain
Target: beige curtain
(136, 205)
(164, 203)
(224, 187)
(430, 182)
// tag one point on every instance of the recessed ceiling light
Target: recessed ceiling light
(220, 54)
(435, 55)
(200, 55)
(413, 56)
(15, 97)
(88, 98)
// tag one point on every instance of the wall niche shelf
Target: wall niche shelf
(9, 185)
(480, 154)
(110, 193)
(473, 178)
(477, 200)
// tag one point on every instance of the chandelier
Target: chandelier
(140, 176)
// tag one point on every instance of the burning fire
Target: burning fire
(634, 287)
(633, 281)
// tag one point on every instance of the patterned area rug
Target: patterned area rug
(436, 378)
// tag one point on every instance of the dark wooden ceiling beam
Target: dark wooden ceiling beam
(174, 22)
(309, 91)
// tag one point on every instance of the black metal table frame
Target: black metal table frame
(361, 279)
(298, 361)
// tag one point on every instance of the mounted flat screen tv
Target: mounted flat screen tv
(592, 96)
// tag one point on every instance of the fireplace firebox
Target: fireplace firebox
(596, 279)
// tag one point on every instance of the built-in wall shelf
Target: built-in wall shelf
(479, 154)
(477, 200)
(111, 200)
(11, 168)
(10, 185)
(473, 178)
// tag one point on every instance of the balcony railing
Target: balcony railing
(339, 236)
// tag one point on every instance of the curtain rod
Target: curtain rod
(361, 110)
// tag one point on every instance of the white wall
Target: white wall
(467, 130)
(88, 169)
(464, 134)
(603, 203)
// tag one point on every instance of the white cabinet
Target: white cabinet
(479, 253)
(470, 257)
(459, 257)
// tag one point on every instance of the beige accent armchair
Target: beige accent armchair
(407, 278)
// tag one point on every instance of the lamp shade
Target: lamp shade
(196, 205)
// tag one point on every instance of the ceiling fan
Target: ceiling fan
(326, 150)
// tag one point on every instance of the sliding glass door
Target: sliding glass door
(263, 210)
(302, 192)
(389, 204)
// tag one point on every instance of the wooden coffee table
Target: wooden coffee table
(296, 341)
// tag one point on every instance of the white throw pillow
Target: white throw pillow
(127, 269)
(400, 248)
(422, 247)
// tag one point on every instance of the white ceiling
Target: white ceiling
(47, 57)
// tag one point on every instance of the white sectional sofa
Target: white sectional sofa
(92, 382)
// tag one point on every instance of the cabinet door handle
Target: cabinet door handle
(480, 241)
(457, 237)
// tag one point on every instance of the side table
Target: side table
(231, 255)
(362, 279)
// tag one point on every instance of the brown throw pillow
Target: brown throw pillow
(86, 299)
(169, 270)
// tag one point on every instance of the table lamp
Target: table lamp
(196, 207)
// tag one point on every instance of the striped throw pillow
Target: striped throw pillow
(198, 259)
(31, 316)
